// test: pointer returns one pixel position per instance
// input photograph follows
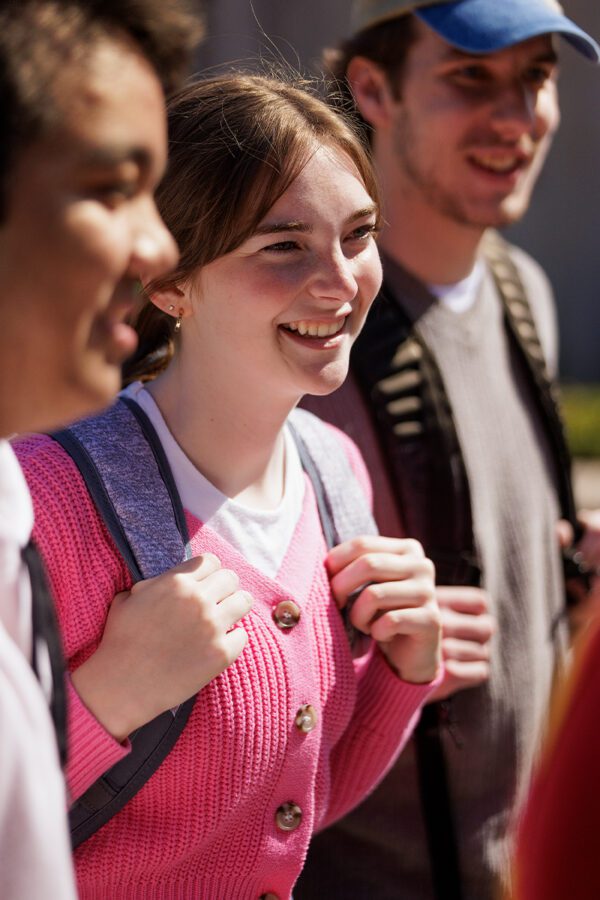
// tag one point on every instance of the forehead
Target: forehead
(429, 49)
(328, 172)
(112, 101)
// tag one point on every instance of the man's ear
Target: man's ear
(371, 90)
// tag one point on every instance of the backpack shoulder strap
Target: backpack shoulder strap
(128, 477)
(521, 325)
(405, 392)
(342, 504)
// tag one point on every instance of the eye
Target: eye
(281, 247)
(537, 75)
(474, 73)
(115, 193)
(363, 232)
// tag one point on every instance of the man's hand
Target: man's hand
(163, 641)
(587, 553)
(396, 606)
(467, 629)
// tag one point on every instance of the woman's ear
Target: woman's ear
(170, 300)
(372, 91)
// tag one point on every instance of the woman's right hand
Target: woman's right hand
(163, 641)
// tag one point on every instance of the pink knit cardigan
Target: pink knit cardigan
(204, 825)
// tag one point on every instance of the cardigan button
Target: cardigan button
(306, 718)
(288, 816)
(286, 615)
(268, 897)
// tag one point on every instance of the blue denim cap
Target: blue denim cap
(483, 26)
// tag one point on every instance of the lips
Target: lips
(500, 163)
(308, 328)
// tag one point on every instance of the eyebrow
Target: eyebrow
(304, 228)
(106, 157)
(453, 53)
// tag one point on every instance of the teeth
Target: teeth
(316, 329)
(496, 164)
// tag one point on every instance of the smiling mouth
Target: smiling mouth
(306, 328)
(505, 164)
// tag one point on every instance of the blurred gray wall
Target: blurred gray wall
(562, 228)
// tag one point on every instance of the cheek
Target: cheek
(547, 110)
(100, 240)
(369, 278)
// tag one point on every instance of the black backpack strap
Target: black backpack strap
(109, 451)
(45, 631)
(404, 389)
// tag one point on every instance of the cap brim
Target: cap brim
(485, 26)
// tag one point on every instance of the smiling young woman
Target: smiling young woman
(274, 205)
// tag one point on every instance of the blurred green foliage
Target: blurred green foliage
(581, 411)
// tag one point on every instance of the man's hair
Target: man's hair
(385, 44)
(41, 40)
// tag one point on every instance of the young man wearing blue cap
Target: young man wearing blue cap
(452, 402)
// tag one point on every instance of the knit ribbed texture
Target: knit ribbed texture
(204, 825)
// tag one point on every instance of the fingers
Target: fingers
(407, 622)
(465, 651)
(564, 533)
(235, 607)
(376, 599)
(459, 676)
(373, 560)
(467, 627)
(342, 555)
(471, 601)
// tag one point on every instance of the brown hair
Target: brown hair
(40, 40)
(236, 142)
(386, 44)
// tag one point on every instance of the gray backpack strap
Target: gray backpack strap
(342, 505)
(128, 477)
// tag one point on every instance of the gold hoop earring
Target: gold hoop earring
(178, 322)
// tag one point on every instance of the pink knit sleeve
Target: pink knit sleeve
(386, 712)
(85, 572)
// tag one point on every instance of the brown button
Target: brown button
(288, 816)
(286, 614)
(306, 718)
(268, 897)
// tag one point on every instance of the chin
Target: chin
(95, 388)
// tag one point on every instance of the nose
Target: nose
(154, 250)
(335, 278)
(514, 111)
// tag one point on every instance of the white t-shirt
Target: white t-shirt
(460, 297)
(262, 536)
(35, 855)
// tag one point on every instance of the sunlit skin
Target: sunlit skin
(237, 373)
(312, 260)
(459, 144)
(81, 229)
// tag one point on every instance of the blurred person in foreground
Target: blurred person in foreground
(557, 843)
(82, 100)
(451, 401)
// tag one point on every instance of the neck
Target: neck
(227, 428)
(429, 244)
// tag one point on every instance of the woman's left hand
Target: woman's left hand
(397, 604)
